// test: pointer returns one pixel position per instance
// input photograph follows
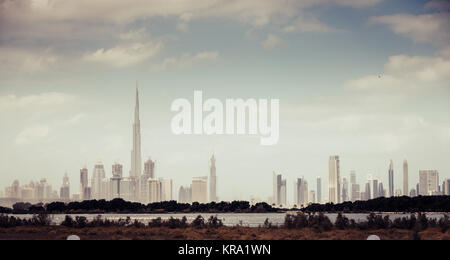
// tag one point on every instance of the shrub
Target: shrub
(342, 222)
(199, 222)
(214, 222)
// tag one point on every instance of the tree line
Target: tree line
(122, 206)
(394, 204)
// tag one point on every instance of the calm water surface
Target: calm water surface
(229, 219)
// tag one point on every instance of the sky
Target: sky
(367, 80)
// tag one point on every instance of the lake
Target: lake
(229, 219)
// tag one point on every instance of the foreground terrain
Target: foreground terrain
(222, 233)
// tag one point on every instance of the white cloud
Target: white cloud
(271, 42)
(427, 28)
(406, 72)
(186, 60)
(75, 119)
(124, 55)
(32, 134)
(21, 60)
(43, 99)
(308, 23)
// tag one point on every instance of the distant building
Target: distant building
(65, 189)
(116, 181)
(185, 195)
(319, 190)
(391, 179)
(312, 197)
(97, 181)
(428, 182)
(279, 190)
(84, 184)
(200, 189)
(166, 189)
(301, 193)
(149, 173)
(446, 187)
(354, 187)
(334, 180)
(212, 180)
(413, 193)
(154, 190)
(345, 196)
(405, 178)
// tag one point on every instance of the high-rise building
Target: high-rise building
(277, 189)
(154, 190)
(447, 187)
(319, 190)
(84, 184)
(428, 182)
(149, 173)
(368, 193)
(185, 195)
(136, 158)
(166, 189)
(200, 189)
(381, 190)
(213, 180)
(413, 193)
(374, 188)
(65, 189)
(345, 190)
(301, 193)
(283, 193)
(116, 181)
(312, 197)
(334, 181)
(405, 178)
(391, 179)
(354, 187)
(98, 174)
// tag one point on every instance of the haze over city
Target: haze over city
(366, 80)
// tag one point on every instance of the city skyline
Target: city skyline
(365, 80)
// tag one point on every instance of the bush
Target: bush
(444, 223)
(342, 222)
(199, 223)
(214, 222)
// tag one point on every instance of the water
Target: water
(229, 219)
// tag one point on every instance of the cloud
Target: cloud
(75, 119)
(13, 60)
(426, 28)
(43, 99)
(32, 134)
(124, 55)
(272, 41)
(439, 5)
(405, 72)
(186, 60)
(308, 23)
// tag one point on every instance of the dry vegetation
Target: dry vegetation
(223, 233)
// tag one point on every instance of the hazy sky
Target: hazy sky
(68, 71)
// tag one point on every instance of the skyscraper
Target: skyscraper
(334, 181)
(391, 179)
(136, 159)
(277, 178)
(84, 185)
(149, 173)
(319, 190)
(405, 178)
(355, 188)
(428, 182)
(116, 181)
(65, 189)
(446, 187)
(345, 190)
(301, 192)
(200, 189)
(97, 178)
(213, 180)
